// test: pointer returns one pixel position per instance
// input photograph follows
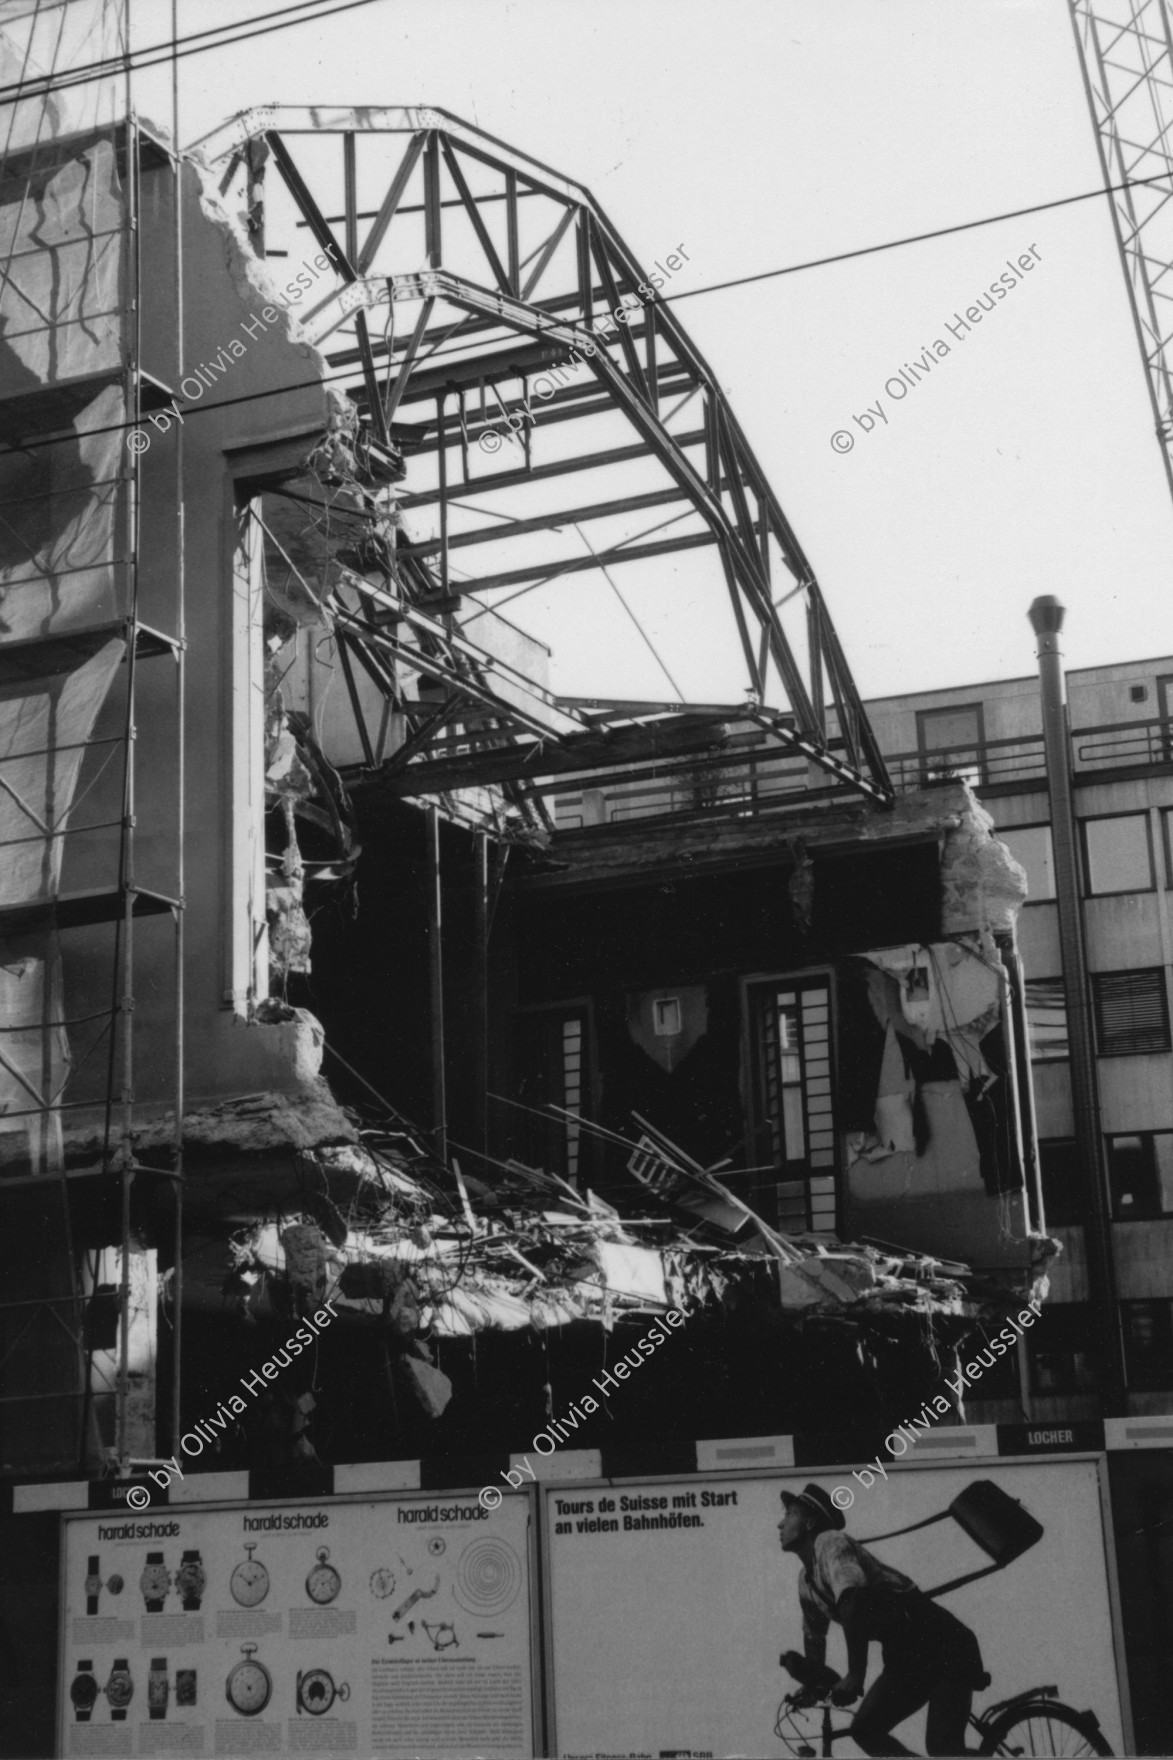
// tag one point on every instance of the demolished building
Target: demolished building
(753, 1006)
(392, 1043)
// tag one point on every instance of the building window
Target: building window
(1031, 845)
(1062, 1181)
(1118, 855)
(553, 1046)
(1061, 1349)
(1140, 1173)
(1148, 1344)
(1166, 828)
(950, 742)
(791, 1021)
(1132, 1012)
(1046, 1019)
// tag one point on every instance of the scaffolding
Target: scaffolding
(92, 839)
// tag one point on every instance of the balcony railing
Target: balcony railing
(1115, 746)
(748, 784)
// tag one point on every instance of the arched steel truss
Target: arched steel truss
(459, 207)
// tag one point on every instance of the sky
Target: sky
(764, 133)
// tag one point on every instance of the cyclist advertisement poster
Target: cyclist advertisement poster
(678, 1596)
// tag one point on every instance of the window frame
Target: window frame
(1001, 831)
(1085, 855)
(1063, 1056)
(757, 1122)
(1095, 980)
(1136, 1384)
(1053, 1220)
(924, 750)
(1148, 1139)
(1167, 838)
(564, 1008)
(1053, 1315)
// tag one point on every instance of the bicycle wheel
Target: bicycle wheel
(1045, 1728)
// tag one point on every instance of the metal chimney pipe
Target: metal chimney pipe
(1046, 615)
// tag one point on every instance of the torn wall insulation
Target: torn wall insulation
(982, 885)
(933, 1145)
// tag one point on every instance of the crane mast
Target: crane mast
(1126, 51)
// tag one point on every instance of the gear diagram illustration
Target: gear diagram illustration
(488, 1576)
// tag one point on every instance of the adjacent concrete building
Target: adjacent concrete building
(1121, 719)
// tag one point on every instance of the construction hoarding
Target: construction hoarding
(676, 1594)
(392, 1626)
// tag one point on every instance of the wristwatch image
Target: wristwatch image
(93, 1584)
(185, 1686)
(249, 1582)
(155, 1582)
(316, 1692)
(323, 1582)
(158, 1688)
(191, 1579)
(83, 1690)
(119, 1689)
(250, 1685)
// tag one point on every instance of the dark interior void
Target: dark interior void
(606, 957)
(741, 920)
(743, 1369)
(1142, 1511)
(370, 981)
(28, 1634)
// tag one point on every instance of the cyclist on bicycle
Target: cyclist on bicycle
(929, 1656)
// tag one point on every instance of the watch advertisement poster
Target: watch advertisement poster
(679, 1595)
(394, 1626)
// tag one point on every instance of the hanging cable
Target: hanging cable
(164, 54)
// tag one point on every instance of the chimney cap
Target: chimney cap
(1046, 615)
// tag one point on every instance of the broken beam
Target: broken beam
(574, 752)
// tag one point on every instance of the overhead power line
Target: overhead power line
(691, 293)
(191, 43)
(893, 244)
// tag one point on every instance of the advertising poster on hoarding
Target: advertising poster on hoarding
(389, 1627)
(671, 1602)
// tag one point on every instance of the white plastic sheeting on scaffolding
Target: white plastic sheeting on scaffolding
(63, 251)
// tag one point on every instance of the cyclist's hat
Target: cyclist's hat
(814, 1497)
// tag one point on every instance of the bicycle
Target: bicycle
(1031, 1723)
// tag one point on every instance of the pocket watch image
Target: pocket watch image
(383, 1582)
(250, 1685)
(323, 1583)
(158, 1688)
(316, 1692)
(191, 1579)
(83, 1691)
(119, 1689)
(249, 1582)
(155, 1582)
